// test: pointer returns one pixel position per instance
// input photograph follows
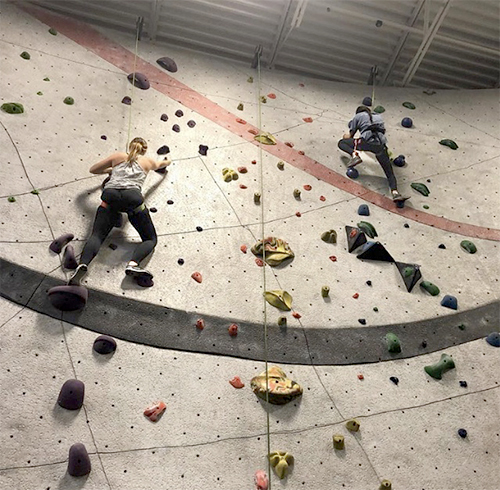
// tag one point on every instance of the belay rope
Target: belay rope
(137, 34)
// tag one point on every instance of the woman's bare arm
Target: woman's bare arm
(105, 166)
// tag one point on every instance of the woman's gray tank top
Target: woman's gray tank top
(126, 176)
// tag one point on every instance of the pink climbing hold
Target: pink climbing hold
(255, 132)
(300, 152)
(307, 187)
(244, 249)
(241, 121)
(288, 143)
(259, 262)
(237, 383)
(196, 276)
(155, 411)
(261, 480)
(242, 170)
(333, 258)
(307, 119)
(233, 330)
(322, 198)
(271, 96)
(200, 324)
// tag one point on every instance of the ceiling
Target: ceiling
(414, 43)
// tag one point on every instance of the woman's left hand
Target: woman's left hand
(347, 136)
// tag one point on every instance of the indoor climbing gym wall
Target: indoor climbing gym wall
(301, 330)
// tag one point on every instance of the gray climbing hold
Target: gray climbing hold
(79, 460)
(450, 302)
(410, 273)
(364, 210)
(104, 344)
(167, 63)
(139, 80)
(71, 395)
(375, 251)
(367, 101)
(69, 259)
(493, 339)
(355, 238)
(12, 108)
(58, 244)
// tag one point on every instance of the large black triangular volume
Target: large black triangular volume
(375, 251)
(410, 273)
(355, 238)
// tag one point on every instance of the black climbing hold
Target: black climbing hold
(104, 137)
(163, 150)
(170, 201)
(199, 228)
(406, 225)
(58, 244)
(462, 326)
(422, 188)
(104, 344)
(164, 117)
(493, 339)
(140, 80)
(406, 122)
(375, 251)
(191, 123)
(68, 298)
(368, 283)
(399, 161)
(394, 380)
(176, 128)
(113, 246)
(79, 460)
(180, 261)
(69, 100)
(25, 55)
(162, 170)
(410, 273)
(429, 180)
(153, 210)
(364, 210)
(69, 259)
(126, 100)
(12, 108)
(367, 101)
(462, 433)
(424, 344)
(179, 113)
(53, 31)
(362, 321)
(71, 394)
(463, 384)
(167, 63)
(379, 23)
(442, 245)
(203, 150)
(145, 281)
(450, 302)
(355, 238)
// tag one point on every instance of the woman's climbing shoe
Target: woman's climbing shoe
(355, 160)
(78, 275)
(136, 271)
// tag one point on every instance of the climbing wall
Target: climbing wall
(212, 434)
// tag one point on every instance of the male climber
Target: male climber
(372, 131)
(123, 194)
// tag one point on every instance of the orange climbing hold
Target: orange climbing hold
(307, 119)
(155, 411)
(237, 383)
(271, 96)
(200, 324)
(233, 330)
(307, 187)
(196, 276)
(241, 121)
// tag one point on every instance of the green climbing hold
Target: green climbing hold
(69, 100)
(375, 309)
(367, 228)
(425, 206)
(468, 246)
(444, 364)
(39, 93)
(329, 236)
(449, 143)
(462, 326)
(46, 79)
(25, 55)
(279, 299)
(393, 343)
(11, 199)
(35, 191)
(422, 188)
(379, 109)
(282, 321)
(240, 106)
(13, 108)
(408, 271)
(250, 80)
(325, 291)
(53, 31)
(409, 105)
(432, 289)
(385, 485)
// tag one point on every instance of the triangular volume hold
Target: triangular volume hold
(355, 238)
(410, 273)
(375, 251)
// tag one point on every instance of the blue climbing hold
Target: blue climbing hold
(407, 122)
(399, 161)
(462, 433)
(352, 173)
(493, 339)
(367, 101)
(450, 302)
(364, 210)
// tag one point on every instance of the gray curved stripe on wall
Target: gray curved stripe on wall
(155, 325)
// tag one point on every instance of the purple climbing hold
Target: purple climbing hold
(442, 245)
(394, 379)
(167, 63)
(139, 80)
(176, 128)
(78, 461)
(362, 321)
(352, 173)
(68, 298)
(180, 261)
(199, 228)
(126, 100)
(203, 150)
(145, 281)
(164, 117)
(450, 302)
(367, 101)
(71, 394)
(58, 244)
(407, 122)
(463, 384)
(399, 161)
(191, 123)
(104, 137)
(462, 433)
(153, 210)
(104, 344)
(179, 113)
(368, 283)
(493, 339)
(170, 201)
(69, 259)
(163, 150)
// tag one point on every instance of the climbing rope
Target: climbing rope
(266, 351)
(137, 33)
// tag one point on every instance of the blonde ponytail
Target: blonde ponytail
(137, 146)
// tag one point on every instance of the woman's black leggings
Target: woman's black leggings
(350, 144)
(121, 201)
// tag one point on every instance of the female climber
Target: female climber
(372, 131)
(122, 194)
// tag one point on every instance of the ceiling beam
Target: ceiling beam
(399, 48)
(426, 42)
(281, 29)
(154, 14)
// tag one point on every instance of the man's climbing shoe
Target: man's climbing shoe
(137, 272)
(78, 275)
(355, 160)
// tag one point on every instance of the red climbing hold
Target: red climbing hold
(307, 187)
(333, 258)
(254, 162)
(200, 324)
(353, 233)
(255, 132)
(301, 85)
(233, 330)
(322, 198)
(196, 276)
(287, 143)
(244, 249)
(155, 411)
(237, 383)
(355, 295)
(298, 214)
(360, 376)
(241, 121)
(243, 186)
(242, 170)
(301, 152)
(259, 262)
(271, 96)
(307, 119)
(296, 315)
